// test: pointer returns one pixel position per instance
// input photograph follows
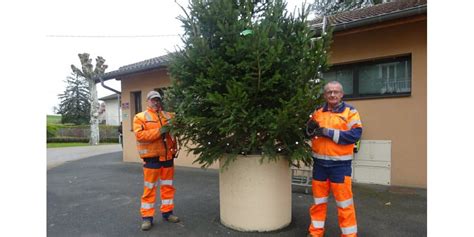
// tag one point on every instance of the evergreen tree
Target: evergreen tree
(246, 80)
(88, 72)
(75, 104)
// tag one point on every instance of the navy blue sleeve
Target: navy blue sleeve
(344, 137)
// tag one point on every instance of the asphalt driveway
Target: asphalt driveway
(59, 156)
(100, 196)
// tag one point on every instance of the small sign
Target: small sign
(125, 105)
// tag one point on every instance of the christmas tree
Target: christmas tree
(246, 80)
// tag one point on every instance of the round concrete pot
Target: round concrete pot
(254, 196)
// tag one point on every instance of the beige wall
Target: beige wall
(401, 120)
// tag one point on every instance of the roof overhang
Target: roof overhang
(135, 68)
(349, 20)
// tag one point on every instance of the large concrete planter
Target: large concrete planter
(254, 196)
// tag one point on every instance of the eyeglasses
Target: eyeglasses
(332, 92)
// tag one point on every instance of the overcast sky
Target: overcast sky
(68, 22)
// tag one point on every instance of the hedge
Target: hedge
(80, 139)
(51, 130)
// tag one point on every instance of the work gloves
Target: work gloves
(313, 129)
(163, 130)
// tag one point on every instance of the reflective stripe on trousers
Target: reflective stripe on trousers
(349, 230)
(147, 205)
(162, 182)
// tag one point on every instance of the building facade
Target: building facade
(379, 54)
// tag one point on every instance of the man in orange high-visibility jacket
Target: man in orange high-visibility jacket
(333, 128)
(157, 148)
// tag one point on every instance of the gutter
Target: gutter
(117, 73)
(418, 10)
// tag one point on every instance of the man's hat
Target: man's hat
(153, 94)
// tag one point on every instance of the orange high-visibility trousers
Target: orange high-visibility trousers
(153, 178)
(345, 207)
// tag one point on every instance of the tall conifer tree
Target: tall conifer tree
(246, 79)
(75, 105)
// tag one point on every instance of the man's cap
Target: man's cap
(153, 94)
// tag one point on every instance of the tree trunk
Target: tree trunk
(94, 138)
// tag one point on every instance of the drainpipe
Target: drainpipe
(116, 91)
(106, 87)
(118, 98)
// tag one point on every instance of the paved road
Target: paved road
(100, 196)
(58, 156)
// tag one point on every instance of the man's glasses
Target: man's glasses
(332, 92)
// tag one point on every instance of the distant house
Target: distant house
(379, 54)
(112, 114)
(102, 113)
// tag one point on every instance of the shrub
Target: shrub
(67, 139)
(80, 139)
(51, 130)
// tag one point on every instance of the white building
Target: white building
(112, 109)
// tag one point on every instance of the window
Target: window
(136, 102)
(377, 78)
(135, 105)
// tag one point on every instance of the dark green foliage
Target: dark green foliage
(67, 139)
(75, 101)
(51, 130)
(245, 93)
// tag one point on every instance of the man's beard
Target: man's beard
(156, 107)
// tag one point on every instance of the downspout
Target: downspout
(106, 87)
(116, 92)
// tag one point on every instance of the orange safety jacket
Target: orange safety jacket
(150, 142)
(343, 128)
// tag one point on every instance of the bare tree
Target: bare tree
(88, 72)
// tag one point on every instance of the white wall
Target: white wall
(112, 112)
